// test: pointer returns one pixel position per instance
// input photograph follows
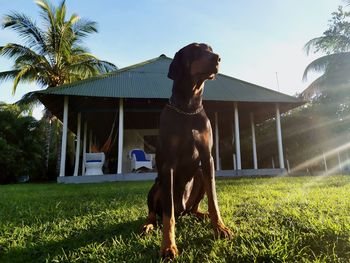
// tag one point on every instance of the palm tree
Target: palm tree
(335, 63)
(52, 55)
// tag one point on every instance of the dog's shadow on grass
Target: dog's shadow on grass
(121, 241)
(95, 236)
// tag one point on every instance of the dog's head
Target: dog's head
(195, 61)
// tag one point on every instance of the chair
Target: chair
(139, 159)
(94, 163)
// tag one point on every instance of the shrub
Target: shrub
(21, 145)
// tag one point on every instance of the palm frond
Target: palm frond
(82, 70)
(12, 50)
(47, 12)
(29, 99)
(27, 30)
(30, 73)
(67, 36)
(61, 13)
(73, 20)
(314, 88)
(79, 56)
(105, 66)
(62, 58)
(312, 44)
(321, 64)
(24, 55)
(335, 69)
(39, 62)
(42, 80)
(79, 50)
(8, 75)
(318, 65)
(100, 65)
(19, 77)
(83, 27)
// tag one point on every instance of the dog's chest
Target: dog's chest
(196, 135)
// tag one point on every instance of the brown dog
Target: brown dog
(183, 158)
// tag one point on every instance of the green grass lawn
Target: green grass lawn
(291, 219)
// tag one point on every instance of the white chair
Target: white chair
(139, 159)
(94, 163)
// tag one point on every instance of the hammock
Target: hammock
(107, 146)
(110, 142)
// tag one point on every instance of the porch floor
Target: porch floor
(152, 176)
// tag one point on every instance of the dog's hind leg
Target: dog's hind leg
(197, 195)
(153, 201)
(150, 223)
(197, 213)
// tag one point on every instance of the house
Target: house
(131, 99)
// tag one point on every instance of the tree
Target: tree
(335, 63)
(52, 55)
(322, 125)
(21, 144)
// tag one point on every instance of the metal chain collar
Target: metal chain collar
(173, 107)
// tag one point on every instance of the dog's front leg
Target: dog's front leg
(168, 248)
(209, 183)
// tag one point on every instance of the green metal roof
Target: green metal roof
(149, 80)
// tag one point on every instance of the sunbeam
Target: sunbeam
(320, 157)
(317, 126)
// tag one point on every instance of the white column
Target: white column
(84, 148)
(237, 139)
(279, 137)
(77, 149)
(120, 136)
(234, 162)
(255, 158)
(64, 136)
(217, 157)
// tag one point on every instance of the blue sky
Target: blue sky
(255, 38)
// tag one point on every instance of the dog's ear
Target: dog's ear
(176, 67)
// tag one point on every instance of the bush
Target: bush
(21, 145)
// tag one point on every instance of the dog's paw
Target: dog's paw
(221, 231)
(146, 229)
(169, 253)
